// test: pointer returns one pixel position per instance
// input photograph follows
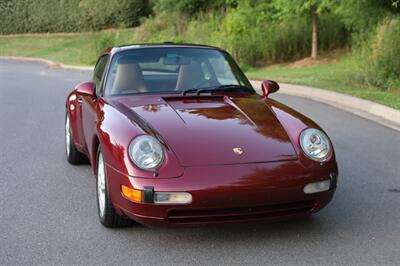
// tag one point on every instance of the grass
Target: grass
(339, 75)
(83, 49)
(72, 49)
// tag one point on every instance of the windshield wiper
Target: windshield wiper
(189, 91)
(230, 87)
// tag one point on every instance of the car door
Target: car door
(90, 106)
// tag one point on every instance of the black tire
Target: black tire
(73, 155)
(108, 217)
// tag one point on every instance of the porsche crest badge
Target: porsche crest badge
(238, 151)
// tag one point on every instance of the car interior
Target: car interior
(166, 74)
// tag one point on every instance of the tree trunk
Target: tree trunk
(314, 45)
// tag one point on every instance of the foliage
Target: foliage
(163, 27)
(270, 39)
(379, 56)
(336, 74)
(256, 32)
(21, 16)
(104, 41)
(67, 48)
(250, 31)
(296, 7)
(114, 13)
(360, 16)
(191, 7)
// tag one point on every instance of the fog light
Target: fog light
(317, 187)
(172, 197)
(131, 194)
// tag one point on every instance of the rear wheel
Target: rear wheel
(73, 155)
(107, 214)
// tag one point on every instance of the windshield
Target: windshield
(169, 70)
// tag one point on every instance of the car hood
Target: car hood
(206, 130)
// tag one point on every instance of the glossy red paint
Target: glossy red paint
(86, 89)
(213, 126)
(199, 133)
(223, 187)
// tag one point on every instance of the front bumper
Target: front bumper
(228, 193)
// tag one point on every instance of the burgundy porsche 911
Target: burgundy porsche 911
(177, 136)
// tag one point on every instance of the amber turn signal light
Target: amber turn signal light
(132, 194)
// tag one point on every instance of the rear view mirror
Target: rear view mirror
(176, 60)
(269, 86)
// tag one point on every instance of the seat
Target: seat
(189, 75)
(128, 79)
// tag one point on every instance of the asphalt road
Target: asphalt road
(48, 207)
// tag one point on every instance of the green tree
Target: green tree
(191, 7)
(311, 8)
(363, 16)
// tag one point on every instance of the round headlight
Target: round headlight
(146, 152)
(315, 144)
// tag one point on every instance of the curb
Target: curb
(372, 111)
(369, 110)
(49, 63)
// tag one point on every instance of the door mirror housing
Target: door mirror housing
(269, 86)
(87, 88)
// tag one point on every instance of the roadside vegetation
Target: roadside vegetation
(336, 72)
(348, 46)
(80, 49)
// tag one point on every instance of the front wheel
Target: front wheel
(107, 215)
(73, 155)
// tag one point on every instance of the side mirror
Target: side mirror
(269, 86)
(86, 89)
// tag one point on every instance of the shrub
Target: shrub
(192, 7)
(163, 27)
(21, 16)
(113, 13)
(103, 41)
(250, 32)
(379, 56)
(255, 37)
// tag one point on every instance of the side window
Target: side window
(99, 71)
